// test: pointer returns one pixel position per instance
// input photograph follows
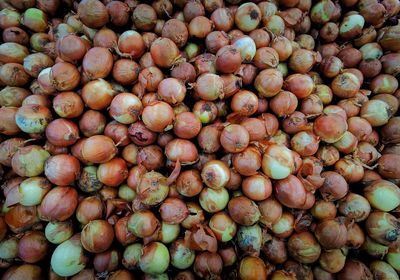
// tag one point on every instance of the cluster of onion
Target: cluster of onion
(201, 139)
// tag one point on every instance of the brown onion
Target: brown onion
(303, 247)
(59, 204)
(331, 234)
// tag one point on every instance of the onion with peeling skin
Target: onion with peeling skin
(277, 162)
(383, 228)
(303, 247)
(383, 195)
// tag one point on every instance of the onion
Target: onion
(131, 255)
(29, 161)
(184, 71)
(303, 247)
(144, 17)
(383, 195)
(97, 94)
(290, 192)
(52, 209)
(392, 258)
(243, 211)
(271, 211)
(173, 211)
(58, 232)
(152, 188)
(387, 233)
(209, 87)
(32, 247)
(223, 226)
(97, 236)
(302, 60)
(28, 271)
(131, 44)
(32, 190)
(387, 167)
(68, 105)
(93, 13)
(323, 210)
(222, 19)
(8, 148)
(246, 47)
(283, 228)
(9, 18)
(91, 65)
(92, 153)
(162, 58)
(213, 200)
(355, 207)
(252, 268)
(68, 258)
(118, 12)
(92, 123)
(331, 234)
(332, 261)
(277, 162)
(62, 169)
(383, 270)
(33, 118)
(9, 248)
(154, 253)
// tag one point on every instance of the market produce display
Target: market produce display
(199, 139)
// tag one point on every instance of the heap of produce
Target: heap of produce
(199, 139)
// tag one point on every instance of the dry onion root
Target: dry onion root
(177, 139)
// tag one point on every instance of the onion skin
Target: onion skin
(383, 195)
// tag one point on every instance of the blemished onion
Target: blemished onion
(29, 161)
(97, 236)
(334, 187)
(331, 234)
(383, 228)
(213, 200)
(58, 232)
(68, 258)
(131, 44)
(62, 132)
(215, 174)
(68, 104)
(354, 268)
(222, 19)
(155, 258)
(354, 206)
(125, 108)
(277, 162)
(33, 118)
(271, 211)
(152, 188)
(383, 195)
(234, 138)
(284, 103)
(243, 211)
(158, 116)
(387, 166)
(252, 268)
(207, 265)
(59, 204)
(97, 94)
(300, 85)
(303, 247)
(392, 258)
(162, 57)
